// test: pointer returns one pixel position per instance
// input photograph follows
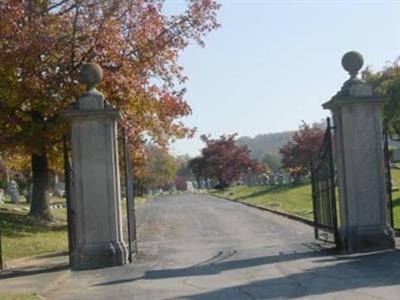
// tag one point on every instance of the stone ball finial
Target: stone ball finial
(352, 62)
(91, 74)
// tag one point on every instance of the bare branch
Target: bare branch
(56, 5)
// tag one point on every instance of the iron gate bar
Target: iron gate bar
(323, 188)
(130, 198)
(70, 213)
(313, 200)
(388, 176)
(332, 180)
(1, 251)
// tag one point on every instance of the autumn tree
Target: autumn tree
(160, 168)
(14, 166)
(183, 166)
(199, 168)
(222, 159)
(387, 82)
(304, 145)
(271, 161)
(184, 173)
(43, 43)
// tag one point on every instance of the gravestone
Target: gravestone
(286, 178)
(272, 180)
(280, 179)
(190, 186)
(95, 196)
(1, 196)
(13, 191)
(357, 115)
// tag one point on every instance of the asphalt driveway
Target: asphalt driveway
(200, 247)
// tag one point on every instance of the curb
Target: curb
(20, 276)
(56, 283)
(280, 213)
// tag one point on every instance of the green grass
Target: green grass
(22, 236)
(20, 297)
(139, 201)
(396, 198)
(295, 200)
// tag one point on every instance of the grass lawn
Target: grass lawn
(396, 198)
(139, 201)
(295, 200)
(20, 297)
(21, 236)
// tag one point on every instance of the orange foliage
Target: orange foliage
(43, 44)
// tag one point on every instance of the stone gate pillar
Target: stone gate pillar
(96, 190)
(357, 115)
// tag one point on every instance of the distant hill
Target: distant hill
(262, 143)
(271, 142)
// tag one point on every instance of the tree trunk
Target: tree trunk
(40, 208)
(138, 188)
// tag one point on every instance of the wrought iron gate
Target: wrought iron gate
(1, 252)
(388, 176)
(68, 179)
(130, 198)
(324, 191)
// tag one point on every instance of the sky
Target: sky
(273, 64)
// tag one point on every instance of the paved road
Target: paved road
(198, 247)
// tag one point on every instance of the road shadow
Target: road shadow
(341, 274)
(13, 273)
(218, 264)
(216, 267)
(322, 275)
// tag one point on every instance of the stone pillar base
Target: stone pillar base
(367, 238)
(99, 255)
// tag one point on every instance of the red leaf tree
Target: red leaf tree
(222, 159)
(304, 145)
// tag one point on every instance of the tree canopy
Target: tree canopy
(43, 43)
(387, 83)
(271, 161)
(160, 168)
(222, 159)
(303, 146)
